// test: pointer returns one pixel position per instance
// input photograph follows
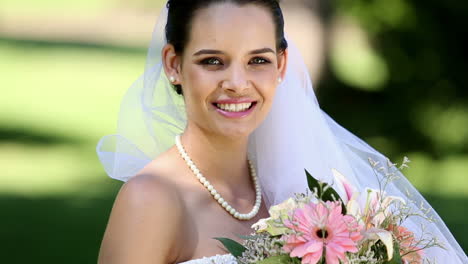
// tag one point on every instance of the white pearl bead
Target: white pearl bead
(212, 190)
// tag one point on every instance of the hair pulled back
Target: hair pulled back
(182, 12)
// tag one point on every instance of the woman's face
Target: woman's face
(230, 69)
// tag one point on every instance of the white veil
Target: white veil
(296, 135)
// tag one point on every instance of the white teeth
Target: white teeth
(234, 107)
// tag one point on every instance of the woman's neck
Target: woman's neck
(222, 160)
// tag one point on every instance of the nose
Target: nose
(236, 79)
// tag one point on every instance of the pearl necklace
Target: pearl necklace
(215, 194)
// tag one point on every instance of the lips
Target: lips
(235, 108)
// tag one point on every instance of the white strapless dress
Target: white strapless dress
(218, 259)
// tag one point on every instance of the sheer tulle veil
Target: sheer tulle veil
(296, 135)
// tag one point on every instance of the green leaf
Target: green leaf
(232, 246)
(281, 259)
(324, 191)
(396, 259)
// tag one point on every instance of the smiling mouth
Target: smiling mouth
(240, 107)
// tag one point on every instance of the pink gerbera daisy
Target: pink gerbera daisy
(321, 230)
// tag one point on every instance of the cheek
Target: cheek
(198, 85)
(266, 83)
(201, 81)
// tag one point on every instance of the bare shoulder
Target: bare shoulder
(144, 225)
(147, 190)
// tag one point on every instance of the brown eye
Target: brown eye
(259, 60)
(211, 61)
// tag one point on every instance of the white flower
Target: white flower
(261, 225)
(348, 188)
(380, 205)
(382, 235)
(282, 209)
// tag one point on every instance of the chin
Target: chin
(235, 133)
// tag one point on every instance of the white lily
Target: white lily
(382, 235)
(348, 188)
(379, 206)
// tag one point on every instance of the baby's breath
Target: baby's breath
(260, 247)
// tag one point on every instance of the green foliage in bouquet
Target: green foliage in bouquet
(396, 259)
(240, 252)
(324, 191)
(280, 260)
(235, 248)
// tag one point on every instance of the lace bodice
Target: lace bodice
(218, 259)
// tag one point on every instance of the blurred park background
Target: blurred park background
(393, 72)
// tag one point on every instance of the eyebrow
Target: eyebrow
(210, 51)
(264, 50)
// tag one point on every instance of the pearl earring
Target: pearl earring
(280, 80)
(172, 79)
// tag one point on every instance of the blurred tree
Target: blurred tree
(421, 104)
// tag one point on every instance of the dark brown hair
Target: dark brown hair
(181, 13)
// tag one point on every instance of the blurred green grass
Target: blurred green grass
(57, 100)
(55, 7)
(83, 84)
(69, 8)
(68, 92)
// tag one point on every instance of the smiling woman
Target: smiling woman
(220, 75)
(227, 76)
(222, 84)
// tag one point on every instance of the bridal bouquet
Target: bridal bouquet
(322, 227)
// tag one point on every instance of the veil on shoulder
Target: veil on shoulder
(296, 135)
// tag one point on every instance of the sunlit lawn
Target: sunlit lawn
(69, 93)
(56, 102)
(69, 8)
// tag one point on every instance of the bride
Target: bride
(221, 74)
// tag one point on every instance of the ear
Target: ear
(171, 63)
(283, 63)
